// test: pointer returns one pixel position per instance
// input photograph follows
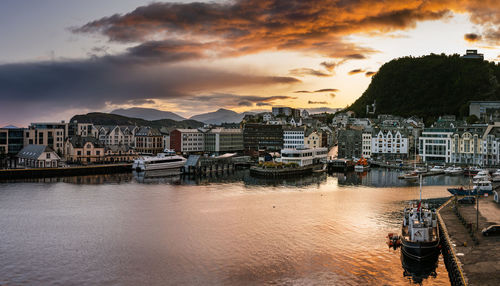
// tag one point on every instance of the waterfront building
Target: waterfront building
(38, 156)
(266, 137)
(76, 128)
(350, 143)
(435, 142)
(11, 140)
(117, 135)
(187, 140)
(491, 145)
(119, 153)
(51, 134)
(166, 137)
(84, 150)
(148, 141)
(473, 54)
(312, 138)
(293, 137)
(467, 145)
(389, 143)
(223, 140)
(304, 156)
(366, 144)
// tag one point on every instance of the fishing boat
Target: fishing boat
(420, 232)
(361, 165)
(162, 161)
(480, 188)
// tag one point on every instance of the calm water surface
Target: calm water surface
(234, 230)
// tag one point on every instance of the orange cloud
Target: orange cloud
(472, 37)
(370, 73)
(356, 71)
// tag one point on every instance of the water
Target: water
(236, 230)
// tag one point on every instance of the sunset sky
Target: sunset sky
(64, 57)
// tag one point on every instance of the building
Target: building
(223, 140)
(117, 135)
(293, 137)
(491, 145)
(304, 156)
(389, 143)
(266, 117)
(350, 143)
(51, 134)
(119, 153)
(286, 111)
(262, 137)
(82, 129)
(11, 140)
(486, 111)
(467, 145)
(472, 54)
(435, 145)
(148, 141)
(166, 137)
(187, 140)
(312, 139)
(305, 113)
(366, 144)
(84, 150)
(38, 156)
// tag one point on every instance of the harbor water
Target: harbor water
(327, 229)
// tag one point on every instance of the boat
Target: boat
(411, 176)
(361, 165)
(480, 188)
(418, 271)
(448, 170)
(472, 171)
(437, 169)
(419, 231)
(456, 171)
(162, 161)
(482, 175)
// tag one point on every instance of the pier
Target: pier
(470, 258)
(11, 174)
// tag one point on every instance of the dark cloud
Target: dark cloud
(370, 73)
(317, 102)
(356, 71)
(471, 37)
(327, 90)
(329, 66)
(44, 87)
(263, 104)
(308, 71)
(302, 91)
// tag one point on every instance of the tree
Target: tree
(472, 119)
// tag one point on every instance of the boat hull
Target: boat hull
(161, 166)
(420, 250)
(467, 192)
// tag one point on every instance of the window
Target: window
(88, 153)
(48, 155)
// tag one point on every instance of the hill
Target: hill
(220, 116)
(430, 86)
(98, 118)
(147, 113)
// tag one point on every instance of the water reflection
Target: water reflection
(418, 271)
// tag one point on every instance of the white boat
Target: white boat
(456, 171)
(162, 161)
(496, 173)
(496, 178)
(360, 168)
(448, 170)
(437, 169)
(483, 186)
(482, 175)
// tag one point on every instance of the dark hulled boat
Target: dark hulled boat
(420, 231)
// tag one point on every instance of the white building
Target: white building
(38, 156)
(266, 117)
(304, 156)
(366, 144)
(117, 135)
(435, 145)
(187, 140)
(293, 137)
(392, 143)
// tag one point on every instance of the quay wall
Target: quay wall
(10, 174)
(453, 265)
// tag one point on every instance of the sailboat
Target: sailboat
(420, 231)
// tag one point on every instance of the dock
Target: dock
(470, 257)
(12, 174)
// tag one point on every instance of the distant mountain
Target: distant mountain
(147, 113)
(98, 118)
(220, 116)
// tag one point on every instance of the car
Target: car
(491, 230)
(467, 200)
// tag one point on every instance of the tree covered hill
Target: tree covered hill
(430, 86)
(98, 118)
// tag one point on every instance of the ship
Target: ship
(163, 161)
(420, 231)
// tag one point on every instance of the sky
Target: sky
(59, 58)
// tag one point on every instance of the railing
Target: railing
(455, 272)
